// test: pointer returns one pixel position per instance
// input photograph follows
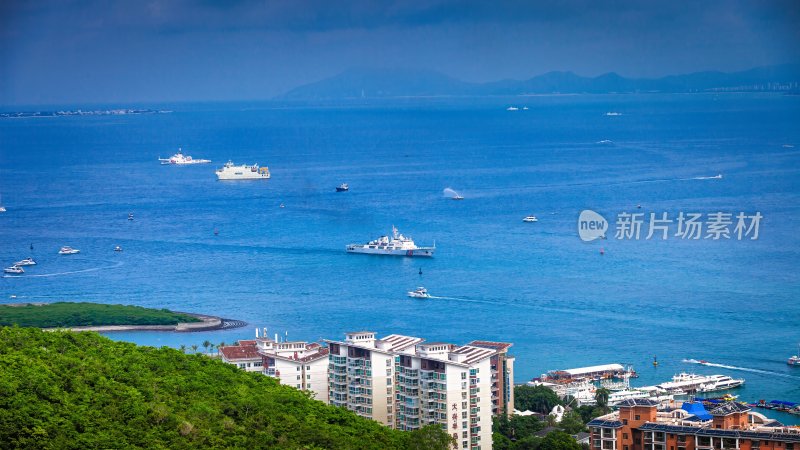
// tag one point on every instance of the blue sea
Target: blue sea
(559, 300)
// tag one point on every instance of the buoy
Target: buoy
(420, 270)
(31, 246)
(655, 361)
(602, 252)
(216, 232)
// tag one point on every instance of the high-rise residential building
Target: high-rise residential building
(406, 383)
(299, 364)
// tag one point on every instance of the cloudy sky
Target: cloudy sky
(83, 51)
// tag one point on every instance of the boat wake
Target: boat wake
(743, 369)
(44, 275)
(715, 177)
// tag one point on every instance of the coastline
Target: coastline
(208, 323)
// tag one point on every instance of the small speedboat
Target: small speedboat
(419, 292)
(530, 219)
(342, 187)
(66, 250)
(14, 269)
(118, 249)
(26, 262)
(457, 197)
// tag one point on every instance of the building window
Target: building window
(388, 381)
(624, 421)
(625, 447)
(298, 368)
(308, 367)
(308, 386)
(298, 377)
(636, 417)
(463, 375)
(624, 435)
(298, 386)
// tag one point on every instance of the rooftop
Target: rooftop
(729, 408)
(491, 344)
(240, 352)
(474, 353)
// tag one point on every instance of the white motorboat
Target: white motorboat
(794, 360)
(16, 270)
(118, 249)
(690, 383)
(530, 219)
(26, 262)
(342, 188)
(66, 250)
(398, 245)
(180, 159)
(419, 292)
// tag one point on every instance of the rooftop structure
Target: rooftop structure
(639, 425)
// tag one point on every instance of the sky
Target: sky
(138, 51)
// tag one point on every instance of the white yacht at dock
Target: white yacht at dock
(398, 245)
(692, 383)
(242, 172)
(180, 159)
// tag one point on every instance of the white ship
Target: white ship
(398, 245)
(530, 219)
(66, 250)
(689, 382)
(243, 172)
(179, 158)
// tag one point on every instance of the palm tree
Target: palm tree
(601, 397)
(206, 343)
(221, 344)
(194, 348)
(212, 347)
(183, 348)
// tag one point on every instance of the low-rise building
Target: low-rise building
(244, 355)
(639, 425)
(299, 364)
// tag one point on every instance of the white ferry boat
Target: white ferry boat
(243, 172)
(689, 382)
(25, 262)
(65, 250)
(180, 159)
(419, 292)
(399, 245)
(16, 270)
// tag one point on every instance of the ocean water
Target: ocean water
(73, 181)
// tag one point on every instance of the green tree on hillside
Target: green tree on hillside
(559, 440)
(194, 348)
(601, 397)
(535, 398)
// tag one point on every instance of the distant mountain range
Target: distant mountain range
(388, 83)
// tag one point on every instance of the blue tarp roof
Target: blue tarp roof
(697, 409)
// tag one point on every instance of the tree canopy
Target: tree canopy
(65, 390)
(67, 314)
(535, 398)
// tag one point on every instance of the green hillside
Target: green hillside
(66, 314)
(64, 390)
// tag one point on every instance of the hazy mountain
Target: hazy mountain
(387, 83)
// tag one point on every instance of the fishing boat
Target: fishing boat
(117, 248)
(15, 270)
(342, 187)
(419, 292)
(25, 262)
(66, 250)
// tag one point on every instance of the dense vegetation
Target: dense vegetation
(65, 390)
(65, 314)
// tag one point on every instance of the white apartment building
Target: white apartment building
(407, 384)
(244, 355)
(298, 364)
